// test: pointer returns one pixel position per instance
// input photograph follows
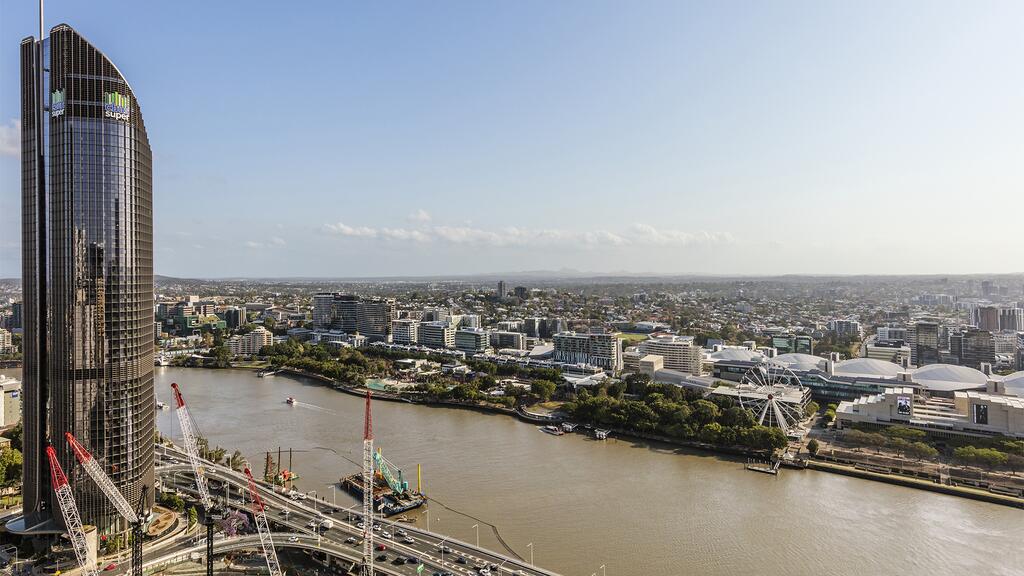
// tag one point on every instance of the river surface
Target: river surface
(635, 507)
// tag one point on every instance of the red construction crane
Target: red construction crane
(69, 509)
(259, 513)
(188, 432)
(93, 469)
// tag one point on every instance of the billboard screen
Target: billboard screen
(903, 406)
(981, 413)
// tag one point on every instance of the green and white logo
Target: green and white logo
(117, 106)
(57, 103)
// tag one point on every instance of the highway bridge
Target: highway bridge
(439, 554)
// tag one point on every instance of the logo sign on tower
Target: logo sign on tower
(57, 103)
(117, 106)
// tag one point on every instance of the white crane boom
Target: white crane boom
(188, 431)
(69, 509)
(92, 468)
(259, 512)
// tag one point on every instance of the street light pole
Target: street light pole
(602, 570)
(530, 546)
(334, 496)
(442, 551)
(477, 526)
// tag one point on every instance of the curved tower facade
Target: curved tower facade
(87, 257)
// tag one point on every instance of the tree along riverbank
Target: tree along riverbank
(818, 464)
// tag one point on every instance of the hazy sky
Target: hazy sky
(408, 138)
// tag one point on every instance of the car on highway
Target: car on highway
(350, 540)
(111, 566)
(381, 547)
(408, 540)
(382, 558)
(293, 538)
(401, 532)
(412, 560)
(385, 534)
(461, 560)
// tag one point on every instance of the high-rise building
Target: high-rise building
(251, 343)
(1011, 319)
(336, 311)
(350, 314)
(1005, 342)
(437, 334)
(323, 310)
(87, 278)
(436, 314)
(923, 339)
(471, 340)
(511, 325)
(889, 350)
(6, 342)
(891, 333)
(503, 339)
(680, 352)
(602, 350)
(17, 322)
(844, 328)
(373, 318)
(973, 347)
(793, 343)
(405, 331)
(521, 292)
(235, 317)
(986, 318)
(502, 290)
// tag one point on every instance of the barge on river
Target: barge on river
(391, 493)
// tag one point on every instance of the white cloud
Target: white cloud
(637, 235)
(10, 138)
(420, 215)
(342, 229)
(647, 234)
(273, 241)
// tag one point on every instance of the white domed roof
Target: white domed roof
(948, 378)
(868, 367)
(736, 354)
(1015, 383)
(797, 361)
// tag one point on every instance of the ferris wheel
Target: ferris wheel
(763, 390)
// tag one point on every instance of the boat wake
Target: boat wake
(294, 402)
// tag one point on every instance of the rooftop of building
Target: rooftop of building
(743, 354)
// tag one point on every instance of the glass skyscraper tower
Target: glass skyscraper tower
(87, 257)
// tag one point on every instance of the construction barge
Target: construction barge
(391, 493)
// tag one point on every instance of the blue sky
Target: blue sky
(423, 138)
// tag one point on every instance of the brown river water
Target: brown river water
(635, 507)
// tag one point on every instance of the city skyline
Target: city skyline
(662, 139)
